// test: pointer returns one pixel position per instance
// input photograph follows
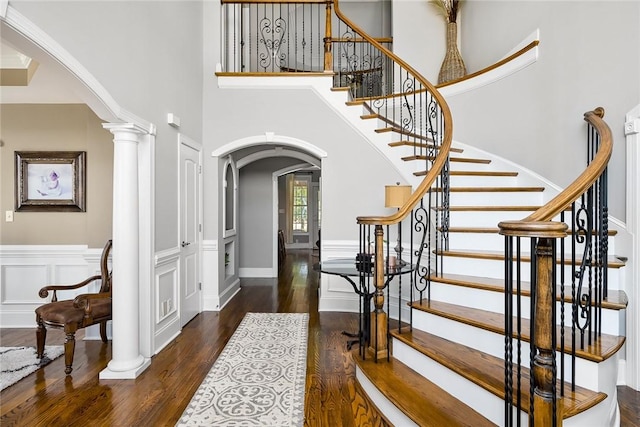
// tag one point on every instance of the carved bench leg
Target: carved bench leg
(69, 348)
(103, 331)
(41, 337)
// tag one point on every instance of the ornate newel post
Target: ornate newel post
(328, 57)
(378, 333)
(547, 400)
(543, 371)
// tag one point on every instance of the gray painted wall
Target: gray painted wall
(148, 55)
(589, 57)
(160, 57)
(419, 36)
(255, 211)
(352, 166)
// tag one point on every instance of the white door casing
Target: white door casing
(190, 231)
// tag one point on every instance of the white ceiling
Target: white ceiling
(49, 85)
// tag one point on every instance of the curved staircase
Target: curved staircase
(456, 351)
(455, 346)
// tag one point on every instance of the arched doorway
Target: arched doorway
(268, 150)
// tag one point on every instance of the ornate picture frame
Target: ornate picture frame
(51, 181)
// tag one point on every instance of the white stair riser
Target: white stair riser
(476, 241)
(613, 321)
(390, 411)
(483, 181)
(484, 218)
(493, 344)
(468, 166)
(496, 242)
(510, 198)
(476, 397)
(495, 269)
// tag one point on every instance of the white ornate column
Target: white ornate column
(127, 362)
(632, 132)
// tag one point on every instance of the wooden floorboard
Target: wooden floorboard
(158, 397)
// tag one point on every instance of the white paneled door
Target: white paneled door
(190, 290)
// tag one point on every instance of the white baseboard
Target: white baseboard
(257, 272)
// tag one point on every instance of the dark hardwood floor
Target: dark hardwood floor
(159, 396)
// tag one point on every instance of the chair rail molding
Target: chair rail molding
(632, 132)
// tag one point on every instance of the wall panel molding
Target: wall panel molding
(24, 269)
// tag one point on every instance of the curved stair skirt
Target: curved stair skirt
(498, 73)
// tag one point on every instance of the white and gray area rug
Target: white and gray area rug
(259, 378)
(18, 362)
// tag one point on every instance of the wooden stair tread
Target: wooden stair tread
(488, 371)
(492, 189)
(490, 208)
(613, 261)
(418, 398)
(482, 230)
(606, 346)
(403, 132)
(451, 159)
(491, 230)
(482, 173)
(616, 299)
(421, 145)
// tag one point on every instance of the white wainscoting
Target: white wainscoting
(210, 273)
(336, 294)
(24, 269)
(166, 298)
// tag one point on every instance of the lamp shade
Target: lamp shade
(395, 196)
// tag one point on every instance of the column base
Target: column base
(129, 374)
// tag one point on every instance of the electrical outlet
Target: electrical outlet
(8, 216)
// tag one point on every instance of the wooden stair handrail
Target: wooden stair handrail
(570, 194)
(443, 154)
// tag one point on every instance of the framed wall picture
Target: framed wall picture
(50, 181)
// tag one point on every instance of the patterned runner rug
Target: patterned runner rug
(258, 379)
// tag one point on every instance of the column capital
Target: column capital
(125, 127)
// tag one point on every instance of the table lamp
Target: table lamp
(395, 196)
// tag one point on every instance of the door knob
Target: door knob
(185, 244)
